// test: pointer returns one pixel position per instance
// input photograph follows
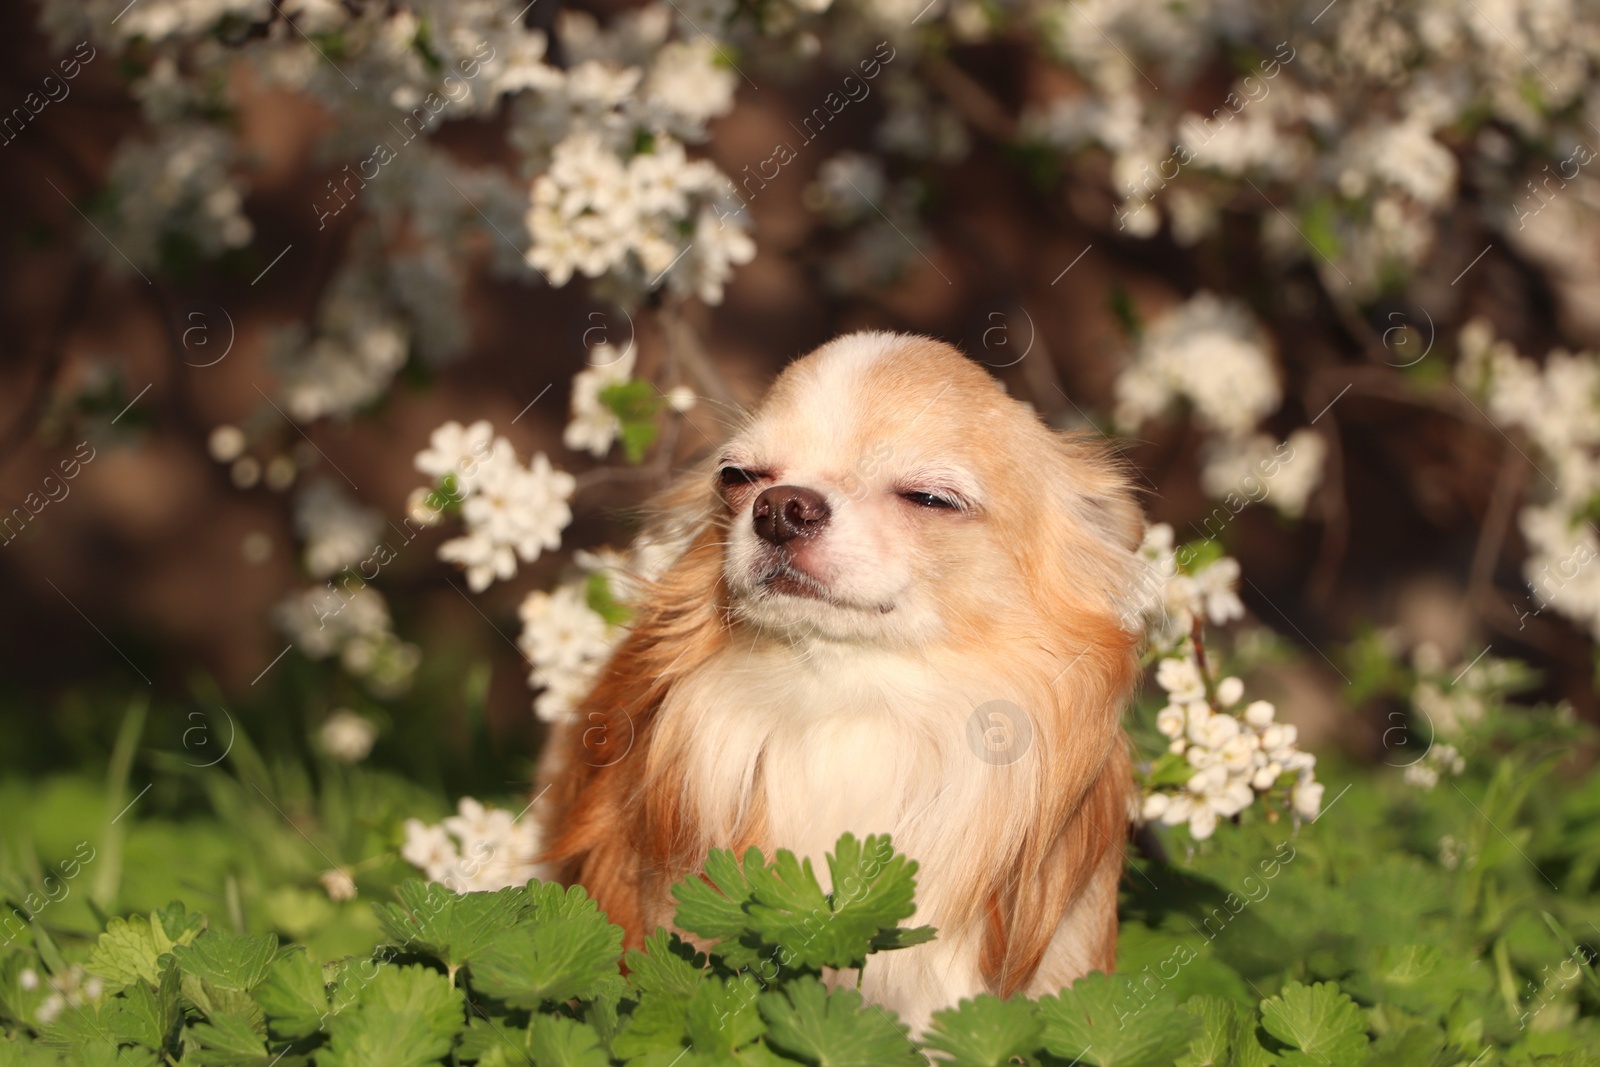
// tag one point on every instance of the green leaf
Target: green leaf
(85, 1032)
(293, 996)
(493, 1040)
(636, 405)
(1195, 556)
(713, 906)
(985, 1032)
(663, 979)
(873, 891)
(128, 949)
(902, 937)
(603, 601)
(228, 1041)
(1415, 1046)
(835, 1029)
(555, 1041)
(723, 1017)
(1323, 1023)
(405, 1017)
(1227, 1036)
(146, 1015)
(550, 900)
(1320, 224)
(1109, 1022)
(446, 925)
(667, 966)
(566, 956)
(228, 961)
(1170, 768)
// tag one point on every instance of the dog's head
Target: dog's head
(888, 491)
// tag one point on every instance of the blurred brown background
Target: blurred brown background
(157, 569)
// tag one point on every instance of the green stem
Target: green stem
(108, 878)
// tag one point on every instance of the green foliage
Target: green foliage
(636, 405)
(1407, 927)
(602, 600)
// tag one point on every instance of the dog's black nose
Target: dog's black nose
(785, 512)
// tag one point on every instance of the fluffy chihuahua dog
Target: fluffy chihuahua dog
(904, 608)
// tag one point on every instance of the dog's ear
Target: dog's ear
(606, 821)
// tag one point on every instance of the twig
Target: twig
(1197, 637)
(1497, 520)
(1336, 520)
(51, 359)
(686, 351)
(972, 100)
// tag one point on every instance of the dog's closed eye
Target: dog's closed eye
(731, 477)
(930, 500)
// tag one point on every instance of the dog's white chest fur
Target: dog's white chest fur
(858, 741)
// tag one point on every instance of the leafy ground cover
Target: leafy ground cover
(1405, 926)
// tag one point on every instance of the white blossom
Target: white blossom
(1210, 352)
(594, 426)
(338, 533)
(347, 737)
(513, 512)
(567, 642)
(338, 884)
(479, 849)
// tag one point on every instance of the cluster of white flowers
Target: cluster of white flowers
(338, 532)
(1453, 701)
(1439, 759)
(1557, 407)
(352, 623)
(594, 425)
(1257, 467)
(510, 511)
(1171, 598)
(359, 346)
(566, 637)
(567, 642)
(1211, 353)
(602, 185)
(618, 196)
(1207, 351)
(652, 217)
(174, 193)
(70, 988)
(1235, 753)
(1340, 120)
(478, 849)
